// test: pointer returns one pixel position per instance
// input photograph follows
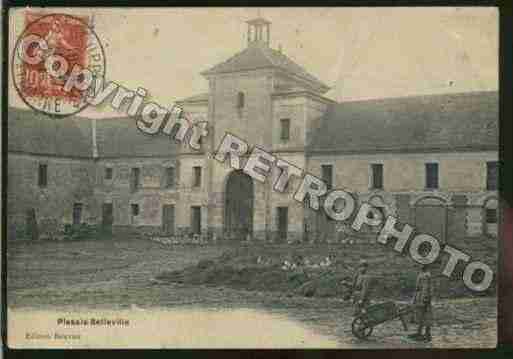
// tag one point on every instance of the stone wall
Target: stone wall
(251, 122)
(83, 181)
(403, 172)
(69, 181)
(462, 184)
(462, 176)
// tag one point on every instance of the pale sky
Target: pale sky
(361, 53)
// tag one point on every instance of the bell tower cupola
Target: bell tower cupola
(259, 31)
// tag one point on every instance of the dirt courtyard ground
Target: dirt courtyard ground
(117, 275)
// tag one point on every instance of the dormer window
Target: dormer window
(240, 100)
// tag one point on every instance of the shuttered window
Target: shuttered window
(491, 216)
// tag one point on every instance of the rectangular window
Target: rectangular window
(135, 209)
(108, 173)
(431, 175)
(197, 176)
(283, 222)
(377, 175)
(170, 177)
(240, 100)
(491, 216)
(285, 129)
(492, 175)
(43, 175)
(77, 213)
(196, 219)
(327, 175)
(136, 173)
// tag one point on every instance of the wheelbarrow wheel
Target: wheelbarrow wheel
(360, 329)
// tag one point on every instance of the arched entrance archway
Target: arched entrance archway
(238, 205)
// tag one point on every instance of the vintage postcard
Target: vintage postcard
(252, 178)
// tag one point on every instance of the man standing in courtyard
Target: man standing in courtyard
(361, 288)
(422, 304)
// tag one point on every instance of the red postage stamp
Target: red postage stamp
(49, 52)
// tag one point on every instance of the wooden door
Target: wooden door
(168, 219)
(107, 216)
(196, 219)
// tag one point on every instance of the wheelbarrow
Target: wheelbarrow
(363, 324)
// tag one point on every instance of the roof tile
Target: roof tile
(261, 56)
(416, 123)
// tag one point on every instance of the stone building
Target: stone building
(430, 160)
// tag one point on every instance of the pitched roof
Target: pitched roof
(259, 56)
(258, 21)
(467, 121)
(418, 123)
(120, 137)
(36, 133)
